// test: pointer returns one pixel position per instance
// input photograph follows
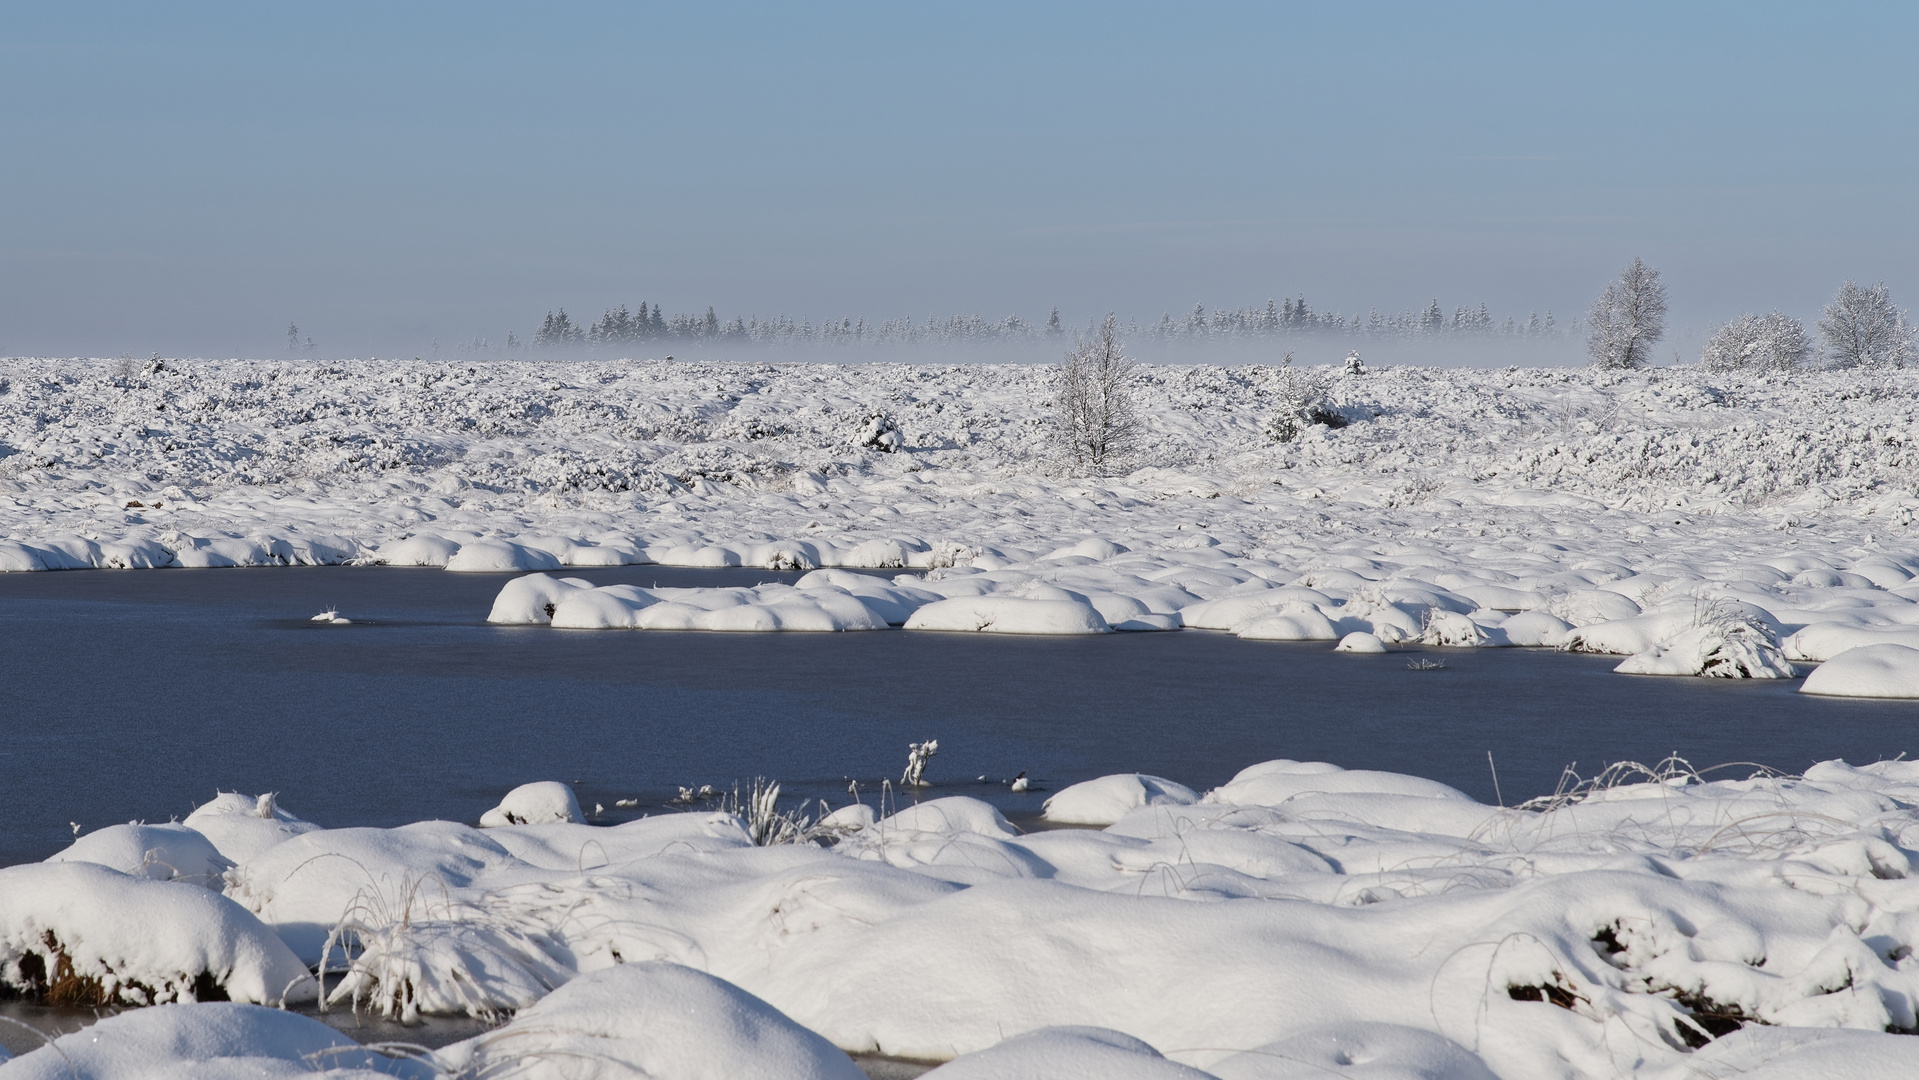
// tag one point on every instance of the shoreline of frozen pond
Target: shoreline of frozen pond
(171, 663)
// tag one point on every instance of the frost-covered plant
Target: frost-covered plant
(1863, 328)
(1628, 319)
(917, 755)
(766, 824)
(881, 432)
(1094, 425)
(407, 956)
(1355, 366)
(1773, 342)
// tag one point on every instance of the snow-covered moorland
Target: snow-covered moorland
(1299, 921)
(1722, 524)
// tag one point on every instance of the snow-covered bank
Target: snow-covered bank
(1719, 525)
(1299, 920)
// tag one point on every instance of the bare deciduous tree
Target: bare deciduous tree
(1863, 328)
(1772, 342)
(1094, 425)
(1628, 319)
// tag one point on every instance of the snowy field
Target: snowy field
(1299, 921)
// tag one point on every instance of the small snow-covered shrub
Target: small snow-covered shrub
(1724, 641)
(1302, 402)
(1773, 342)
(917, 755)
(879, 432)
(1095, 427)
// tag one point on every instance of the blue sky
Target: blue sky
(190, 177)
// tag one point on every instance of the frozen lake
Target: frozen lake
(139, 694)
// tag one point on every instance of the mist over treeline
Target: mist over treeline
(1463, 335)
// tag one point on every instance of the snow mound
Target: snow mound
(1010, 615)
(535, 804)
(1774, 1053)
(1359, 641)
(1731, 648)
(154, 852)
(1821, 641)
(1109, 798)
(214, 1041)
(242, 827)
(1067, 1053)
(422, 550)
(1450, 628)
(1272, 783)
(1536, 628)
(133, 941)
(1302, 625)
(650, 1020)
(821, 608)
(499, 556)
(532, 599)
(1356, 1051)
(1878, 671)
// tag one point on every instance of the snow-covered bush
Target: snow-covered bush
(1773, 342)
(881, 432)
(917, 755)
(1302, 402)
(1095, 427)
(1355, 366)
(1863, 328)
(1628, 319)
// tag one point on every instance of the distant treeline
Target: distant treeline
(650, 323)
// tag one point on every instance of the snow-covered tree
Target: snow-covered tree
(1095, 427)
(1053, 328)
(1863, 328)
(1773, 342)
(1628, 319)
(558, 330)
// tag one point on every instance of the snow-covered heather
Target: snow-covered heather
(1299, 921)
(1717, 524)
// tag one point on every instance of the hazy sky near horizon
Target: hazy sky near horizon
(191, 177)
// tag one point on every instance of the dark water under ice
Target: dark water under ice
(137, 694)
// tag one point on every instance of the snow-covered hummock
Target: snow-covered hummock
(538, 803)
(138, 940)
(654, 1020)
(1110, 798)
(1882, 671)
(1301, 914)
(1662, 624)
(217, 1041)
